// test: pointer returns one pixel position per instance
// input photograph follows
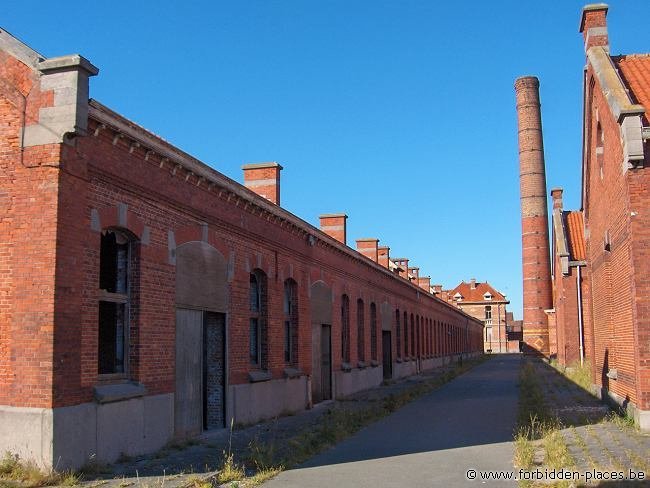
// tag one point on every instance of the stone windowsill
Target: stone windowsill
(398, 360)
(118, 391)
(374, 363)
(346, 367)
(257, 376)
(291, 372)
(361, 365)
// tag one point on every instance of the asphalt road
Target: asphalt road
(466, 425)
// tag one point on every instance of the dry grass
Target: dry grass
(15, 472)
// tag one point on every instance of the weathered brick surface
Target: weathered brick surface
(56, 199)
(616, 202)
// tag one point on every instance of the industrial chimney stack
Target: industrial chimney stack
(534, 217)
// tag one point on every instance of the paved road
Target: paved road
(433, 441)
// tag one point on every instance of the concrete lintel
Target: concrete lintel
(67, 63)
(368, 239)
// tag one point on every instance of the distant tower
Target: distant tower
(534, 217)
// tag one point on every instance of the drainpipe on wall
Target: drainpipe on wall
(580, 331)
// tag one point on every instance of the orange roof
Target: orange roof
(635, 72)
(476, 294)
(575, 235)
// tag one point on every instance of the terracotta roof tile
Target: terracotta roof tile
(635, 72)
(575, 235)
(476, 294)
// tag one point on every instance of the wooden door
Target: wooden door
(188, 398)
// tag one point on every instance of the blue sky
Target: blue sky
(399, 113)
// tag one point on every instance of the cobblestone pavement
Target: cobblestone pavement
(180, 463)
(596, 437)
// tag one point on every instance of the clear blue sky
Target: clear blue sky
(399, 113)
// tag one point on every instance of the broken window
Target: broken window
(398, 334)
(345, 329)
(290, 322)
(361, 335)
(373, 332)
(257, 321)
(115, 250)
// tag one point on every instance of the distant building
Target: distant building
(482, 301)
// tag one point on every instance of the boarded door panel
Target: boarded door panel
(316, 363)
(320, 298)
(214, 370)
(387, 354)
(188, 399)
(326, 362)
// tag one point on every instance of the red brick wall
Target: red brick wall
(52, 254)
(28, 210)
(639, 194)
(607, 212)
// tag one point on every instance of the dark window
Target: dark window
(398, 335)
(412, 336)
(114, 271)
(373, 332)
(488, 312)
(257, 323)
(290, 322)
(361, 335)
(406, 336)
(345, 329)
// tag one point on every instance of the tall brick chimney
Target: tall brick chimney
(334, 225)
(263, 179)
(534, 217)
(369, 248)
(437, 289)
(593, 26)
(383, 256)
(472, 283)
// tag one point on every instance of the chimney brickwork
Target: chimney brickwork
(369, 248)
(334, 225)
(593, 26)
(534, 218)
(263, 179)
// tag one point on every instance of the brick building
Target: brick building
(484, 302)
(601, 254)
(146, 296)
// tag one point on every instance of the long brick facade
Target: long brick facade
(124, 260)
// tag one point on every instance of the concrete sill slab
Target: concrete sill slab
(257, 376)
(346, 367)
(293, 373)
(118, 392)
